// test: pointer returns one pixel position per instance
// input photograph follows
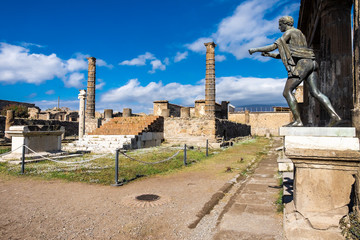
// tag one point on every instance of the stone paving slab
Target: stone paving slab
(253, 214)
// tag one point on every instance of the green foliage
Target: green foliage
(350, 226)
(20, 110)
(5, 150)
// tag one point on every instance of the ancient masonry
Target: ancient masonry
(90, 100)
(210, 79)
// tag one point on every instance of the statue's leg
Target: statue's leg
(290, 85)
(324, 100)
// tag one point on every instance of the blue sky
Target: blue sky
(145, 50)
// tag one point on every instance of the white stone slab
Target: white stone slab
(318, 131)
(331, 143)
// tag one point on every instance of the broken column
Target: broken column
(108, 113)
(10, 116)
(185, 112)
(90, 100)
(82, 96)
(210, 79)
(127, 112)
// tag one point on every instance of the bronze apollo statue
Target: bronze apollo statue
(299, 61)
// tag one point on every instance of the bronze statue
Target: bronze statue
(299, 61)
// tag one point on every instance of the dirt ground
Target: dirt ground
(38, 209)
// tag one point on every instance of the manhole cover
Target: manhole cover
(145, 200)
(148, 197)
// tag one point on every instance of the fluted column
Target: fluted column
(82, 97)
(90, 100)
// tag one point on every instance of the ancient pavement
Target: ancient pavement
(37, 209)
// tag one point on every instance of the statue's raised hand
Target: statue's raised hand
(251, 51)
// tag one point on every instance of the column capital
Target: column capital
(82, 94)
(210, 44)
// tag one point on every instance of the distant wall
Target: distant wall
(71, 128)
(229, 129)
(4, 103)
(262, 122)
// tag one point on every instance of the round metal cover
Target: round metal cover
(148, 197)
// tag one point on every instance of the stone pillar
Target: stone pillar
(185, 112)
(356, 68)
(82, 97)
(165, 113)
(336, 57)
(90, 100)
(127, 112)
(108, 113)
(210, 79)
(10, 116)
(224, 109)
(247, 116)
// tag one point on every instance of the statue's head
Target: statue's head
(285, 22)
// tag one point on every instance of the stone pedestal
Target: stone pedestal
(36, 138)
(326, 161)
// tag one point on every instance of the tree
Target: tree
(21, 111)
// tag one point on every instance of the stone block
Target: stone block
(318, 131)
(334, 143)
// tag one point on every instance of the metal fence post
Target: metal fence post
(185, 154)
(117, 169)
(23, 159)
(207, 147)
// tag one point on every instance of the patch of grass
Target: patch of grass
(350, 226)
(4, 150)
(239, 158)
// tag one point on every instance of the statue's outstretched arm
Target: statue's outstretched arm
(268, 48)
(273, 55)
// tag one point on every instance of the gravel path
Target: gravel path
(36, 209)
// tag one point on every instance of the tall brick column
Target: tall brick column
(82, 97)
(210, 79)
(90, 100)
(356, 68)
(336, 56)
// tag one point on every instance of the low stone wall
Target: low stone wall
(92, 124)
(228, 129)
(262, 122)
(189, 130)
(197, 130)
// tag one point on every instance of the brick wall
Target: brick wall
(263, 122)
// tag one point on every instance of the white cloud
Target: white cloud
(198, 45)
(166, 61)
(237, 90)
(247, 27)
(139, 61)
(75, 80)
(220, 58)
(157, 64)
(50, 92)
(181, 56)
(100, 84)
(102, 63)
(76, 64)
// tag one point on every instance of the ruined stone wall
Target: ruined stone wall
(2, 125)
(92, 124)
(174, 110)
(189, 130)
(263, 122)
(229, 129)
(4, 103)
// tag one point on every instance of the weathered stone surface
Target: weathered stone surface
(90, 99)
(127, 112)
(262, 122)
(108, 113)
(82, 97)
(210, 79)
(318, 131)
(10, 116)
(185, 112)
(334, 143)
